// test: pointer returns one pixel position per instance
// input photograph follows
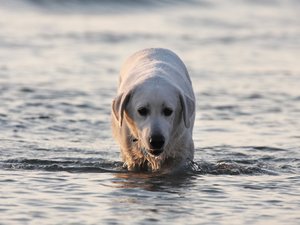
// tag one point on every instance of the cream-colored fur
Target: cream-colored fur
(155, 79)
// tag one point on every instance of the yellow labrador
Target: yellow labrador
(154, 111)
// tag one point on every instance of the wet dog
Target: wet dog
(154, 111)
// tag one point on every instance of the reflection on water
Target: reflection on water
(150, 182)
(59, 64)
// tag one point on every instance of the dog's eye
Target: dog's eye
(143, 111)
(167, 112)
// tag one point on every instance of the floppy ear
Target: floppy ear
(188, 108)
(119, 105)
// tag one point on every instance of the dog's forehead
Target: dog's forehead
(156, 94)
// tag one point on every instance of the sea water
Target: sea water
(59, 65)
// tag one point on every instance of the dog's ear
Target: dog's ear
(118, 106)
(188, 108)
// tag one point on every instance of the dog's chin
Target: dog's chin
(155, 152)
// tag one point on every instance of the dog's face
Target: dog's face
(154, 112)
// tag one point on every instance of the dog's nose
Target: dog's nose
(157, 141)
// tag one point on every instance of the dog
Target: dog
(154, 112)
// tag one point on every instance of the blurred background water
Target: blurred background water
(59, 63)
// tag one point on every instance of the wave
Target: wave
(228, 168)
(104, 166)
(73, 166)
(109, 6)
(89, 6)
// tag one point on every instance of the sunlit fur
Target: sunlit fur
(154, 78)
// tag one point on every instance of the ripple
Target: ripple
(105, 166)
(226, 168)
(268, 149)
(73, 166)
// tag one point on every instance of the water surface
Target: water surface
(59, 63)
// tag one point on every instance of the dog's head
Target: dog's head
(155, 112)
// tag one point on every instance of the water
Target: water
(59, 63)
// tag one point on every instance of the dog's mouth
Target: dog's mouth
(150, 151)
(155, 152)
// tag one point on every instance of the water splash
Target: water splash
(106, 166)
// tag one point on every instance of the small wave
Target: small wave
(96, 6)
(73, 166)
(227, 168)
(215, 160)
(102, 166)
(268, 149)
(115, 2)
